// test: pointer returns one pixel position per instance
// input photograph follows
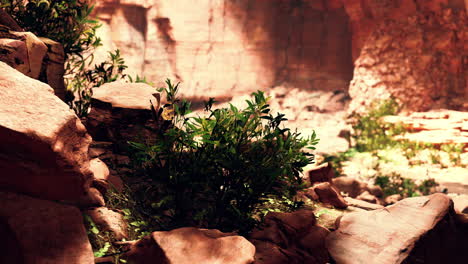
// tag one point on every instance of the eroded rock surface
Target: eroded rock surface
(43, 145)
(41, 232)
(191, 245)
(231, 47)
(414, 230)
(290, 238)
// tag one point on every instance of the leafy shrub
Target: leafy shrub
(395, 184)
(370, 133)
(215, 171)
(81, 81)
(65, 21)
(68, 22)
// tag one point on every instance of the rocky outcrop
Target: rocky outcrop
(37, 231)
(290, 238)
(39, 58)
(414, 230)
(120, 112)
(43, 146)
(414, 51)
(231, 47)
(191, 245)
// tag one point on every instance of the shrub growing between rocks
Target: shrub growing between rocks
(216, 171)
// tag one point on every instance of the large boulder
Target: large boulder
(191, 245)
(290, 238)
(414, 230)
(43, 145)
(36, 231)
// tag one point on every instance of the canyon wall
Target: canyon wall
(414, 50)
(229, 47)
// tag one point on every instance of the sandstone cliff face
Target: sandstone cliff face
(222, 47)
(414, 50)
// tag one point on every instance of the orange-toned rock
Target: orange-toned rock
(43, 145)
(108, 220)
(362, 204)
(232, 47)
(350, 186)
(290, 238)
(121, 111)
(321, 173)
(191, 245)
(41, 232)
(395, 46)
(328, 194)
(401, 233)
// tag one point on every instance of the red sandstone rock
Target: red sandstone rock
(43, 145)
(321, 173)
(290, 238)
(41, 232)
(461, 204)
(121, 111)
(403, 232)
(231, 47)
(108, 220)
(397, 47)
(362, 204)
(191, 245)
(350, 186)
(328, 194)
(91, 198)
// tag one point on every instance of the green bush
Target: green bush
(81, 83)
(68, 22)
(370, 133)
(215, 171)
(65, 21)
(395, 184)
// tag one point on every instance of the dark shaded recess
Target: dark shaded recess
(136, 16)
(446, 243)
(309, 44)
(165, 33)
(10, 249)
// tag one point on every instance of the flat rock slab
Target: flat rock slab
(126, 95)
(121, 112)
(43, 144)
(37, 231)
(190, 245)
(403, 232)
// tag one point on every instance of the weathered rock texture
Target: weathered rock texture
(37, 231)
(414, 230)
(415, 51)
(290, 238)
(120, 112)
(39, 58)
(43, 145)
(191, 245)
(224, 47)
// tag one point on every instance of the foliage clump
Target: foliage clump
(69, 23)
(370, 132)
(395, 184)
(216, 171)
(65, 21)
